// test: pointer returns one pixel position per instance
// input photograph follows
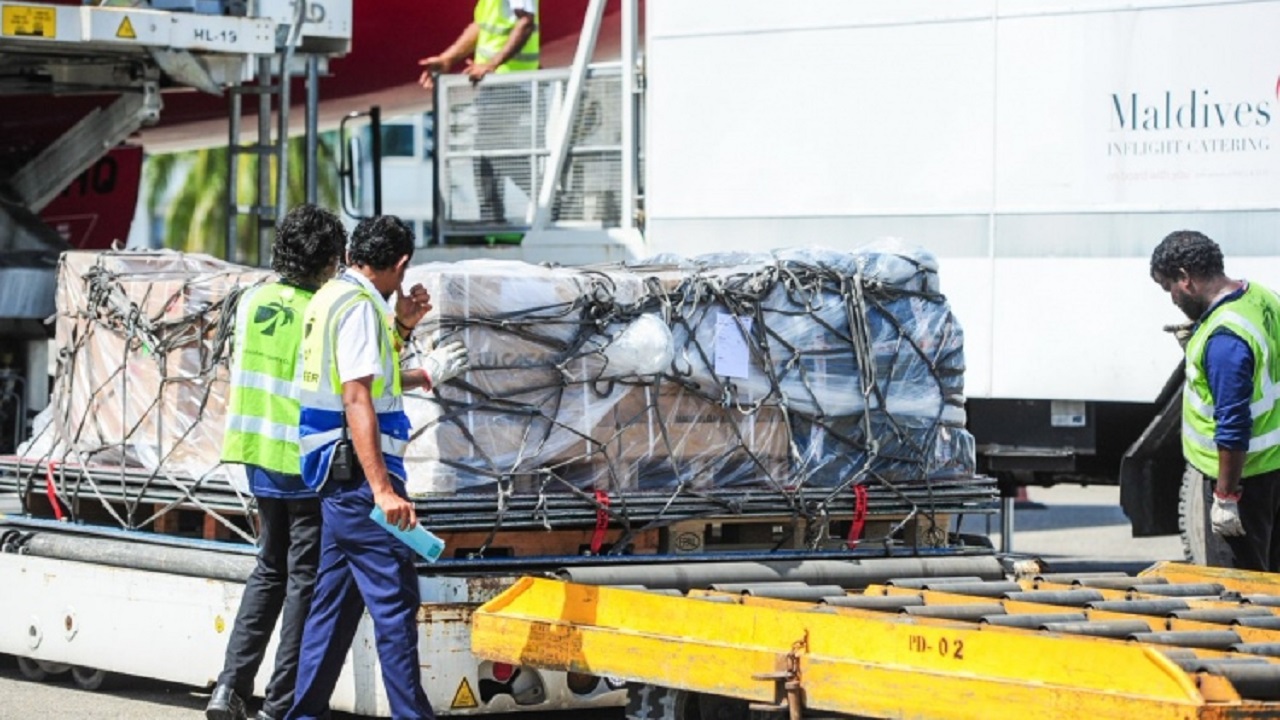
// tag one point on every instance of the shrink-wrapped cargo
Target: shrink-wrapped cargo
(804, 368)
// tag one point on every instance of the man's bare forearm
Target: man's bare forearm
(357, 401)
(464, 46)
(1230, 466)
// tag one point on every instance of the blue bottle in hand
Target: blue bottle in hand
(422, 540)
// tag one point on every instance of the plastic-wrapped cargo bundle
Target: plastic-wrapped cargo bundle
(805, 323)
(807, 367)
(540, 381)
(142, 380)
(801, 368)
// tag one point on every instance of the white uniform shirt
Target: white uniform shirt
(509, 7)
(357, 352)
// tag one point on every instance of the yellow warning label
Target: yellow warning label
(126, 30)
(27, 21)
(464, 698)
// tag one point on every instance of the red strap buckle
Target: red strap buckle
(859, 516)
(51, 492)
(602, 521)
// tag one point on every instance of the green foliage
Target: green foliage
(193, 184)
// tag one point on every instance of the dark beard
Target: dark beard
(1193, 307)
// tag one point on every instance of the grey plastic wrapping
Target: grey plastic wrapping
(853, 371)
(805, 368)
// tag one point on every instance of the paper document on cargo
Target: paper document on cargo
(733, 355)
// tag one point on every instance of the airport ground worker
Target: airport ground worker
(262, 435)
(503, 37)
(353, 433)
(1231, 400)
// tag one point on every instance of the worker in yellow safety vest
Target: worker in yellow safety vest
(352, 433)
(502, 37)
(1231, 400)
(262, 435)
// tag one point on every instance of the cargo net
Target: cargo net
(807, 384)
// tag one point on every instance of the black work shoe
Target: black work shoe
(225, 704)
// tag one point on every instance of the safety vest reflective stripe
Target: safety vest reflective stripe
(1256, 444)
(390, 445)
(1270, 399)
(263, 382)
(495, 28)
(328, 401)
(1233, 318)
(281, 432)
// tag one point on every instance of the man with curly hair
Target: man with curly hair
(1231, 401)
(262, 435)
(353, 431)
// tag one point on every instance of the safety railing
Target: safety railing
(493, 141)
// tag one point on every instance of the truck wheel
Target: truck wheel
(31, 670)
(40, 670)
(91, 679)
(649, 702)
(1200, 545)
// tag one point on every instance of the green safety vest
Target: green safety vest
(495, 27)
(262, 412)
(1255, 318)
(320, 386)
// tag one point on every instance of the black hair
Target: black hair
(380, 242)
(1187, 250)
(308, 240)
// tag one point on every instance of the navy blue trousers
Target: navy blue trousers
(360, 565)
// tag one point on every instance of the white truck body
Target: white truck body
(1041, 149)
(175, 627)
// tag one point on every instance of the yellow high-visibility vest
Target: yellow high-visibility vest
(1255, 318)
(322, 420)
(495, 27)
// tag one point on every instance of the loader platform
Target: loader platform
(1175, 641)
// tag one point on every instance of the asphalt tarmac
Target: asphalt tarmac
(1065, 526)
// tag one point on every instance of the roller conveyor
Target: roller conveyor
(913, 647)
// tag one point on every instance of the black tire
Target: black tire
(31, 670)
(40, 670)
(91, 679)
(1200, 545)
(647, 702)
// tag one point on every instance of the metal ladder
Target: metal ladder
(263, 209)
(271, 84)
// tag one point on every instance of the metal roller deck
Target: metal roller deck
(1175, 641)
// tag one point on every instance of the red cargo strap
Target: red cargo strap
(51, 492)
(859, 515)
(602, 521)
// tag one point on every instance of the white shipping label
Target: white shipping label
(1067, 413)
(733, 355)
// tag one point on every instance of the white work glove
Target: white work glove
(1225, 517)
(445, 363)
